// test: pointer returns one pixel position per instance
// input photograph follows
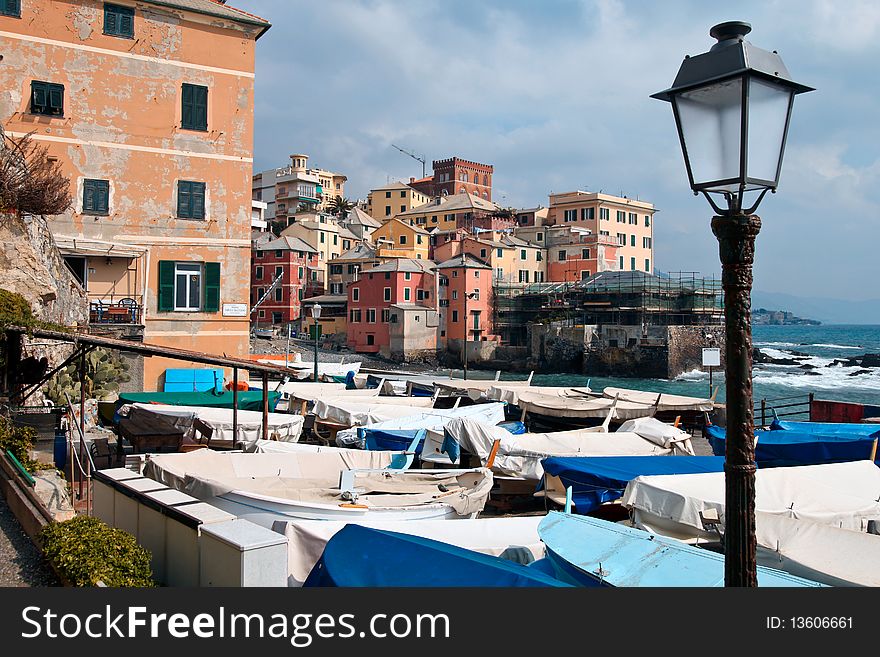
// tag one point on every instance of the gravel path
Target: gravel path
(21, 563)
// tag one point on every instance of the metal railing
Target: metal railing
(766, 410)
(115, 309)
(85, 473)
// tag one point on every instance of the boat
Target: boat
(396, 433)
(356, 485)
(362, 556)
(826, 554)
(663, 401)
(247, 400)
(221, 422)
(793, 447)
(301, 369)
(585, 551)
(691, 506)
(569, 406)
(521, 455)
(263, 333)
(827, 428)
(598, 480)
(513, 539)
(509, 391)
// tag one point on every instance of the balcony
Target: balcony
(113, 309)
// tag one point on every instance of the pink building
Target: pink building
(370, 298)
(296, 263)
(465, 299)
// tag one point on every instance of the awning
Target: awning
(81, 246)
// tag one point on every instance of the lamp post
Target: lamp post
(316, 315)
(732, 107)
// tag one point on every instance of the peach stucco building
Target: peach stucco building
(628, 221)
(148, 107)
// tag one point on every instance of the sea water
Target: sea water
(818, 346)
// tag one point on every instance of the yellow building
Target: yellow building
(512, 260)
(628, 221)
(384, 203)
(323, 233)
(148, 108)
(397, 235)
(448, 212)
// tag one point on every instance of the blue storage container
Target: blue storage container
(193, 380)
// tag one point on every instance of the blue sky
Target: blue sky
(555, 94)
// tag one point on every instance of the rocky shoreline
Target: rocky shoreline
(796, 359)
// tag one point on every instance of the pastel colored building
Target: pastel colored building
(511, 259)
(450, 212)
(347, 268)
(296, 185)
(384, 203)
(572, 253)
(370, 298)
(323, 233)
(148, 109)
(360, 224)
(465, 299)
(294, 262)
(630, 222)
(396, 235)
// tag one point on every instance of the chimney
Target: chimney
(411, 180)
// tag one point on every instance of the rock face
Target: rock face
(31, 265)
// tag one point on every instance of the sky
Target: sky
(555, 95)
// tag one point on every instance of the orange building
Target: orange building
(148, 107)
(465, 299)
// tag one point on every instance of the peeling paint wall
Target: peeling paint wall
(122, 123)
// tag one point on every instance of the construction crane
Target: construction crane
(413, 156)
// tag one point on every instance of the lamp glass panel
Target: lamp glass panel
(768, 112)
(711, 122)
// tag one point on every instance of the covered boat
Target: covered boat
(358, 411)
(664, 402)
(587, 551)
(794, 447)
(573, 406)
(281, 426)
(827, 428)
(360, 555)
(844, 495)
(597, 480)
(250, 400)
(397, 433)
(509, 391)
(514, 539)
(521, 455)
(264, 488)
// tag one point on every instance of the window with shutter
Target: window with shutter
(212, 287)
(190, 199)
(166, 286)
(47, 98)
(10, 8)
(118, 21)
(96, 197)
(194, 107)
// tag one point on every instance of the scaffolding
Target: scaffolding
(610, 298)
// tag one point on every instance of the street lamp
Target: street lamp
(732, 107)
(316, 315)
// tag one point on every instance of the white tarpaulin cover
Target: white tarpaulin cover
(834, 556)
(476, 390)
(667, 402)
(432, 420)
(359, 412)
(660, 433)
(838, 494)
(310, 391)
(519, 455)
(282, 426)
(284, 486)
(580, 406)
(304, 369)
(505, 392)
(275, 447)
(515, 539)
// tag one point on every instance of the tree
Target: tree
(31, 182)
(340, 207)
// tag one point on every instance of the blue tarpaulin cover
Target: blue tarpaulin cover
(598, 479)
(827, 428)
(361, 556)
(791, 447)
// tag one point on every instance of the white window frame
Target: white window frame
(187, 271)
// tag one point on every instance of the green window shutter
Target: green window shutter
(200, 110)
(103, 196)
(111, 24)
(186, 118)
(39, 96)
(166, 286)
(56, 98)
(89, 203)
(126, 23)
(10, 7)
(212, 287)
(184, 199)
(198, 200)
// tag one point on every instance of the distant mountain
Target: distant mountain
(827, 311)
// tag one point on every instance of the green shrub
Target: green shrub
(86, 551)
(20, 441)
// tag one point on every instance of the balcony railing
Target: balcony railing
(116, 309)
